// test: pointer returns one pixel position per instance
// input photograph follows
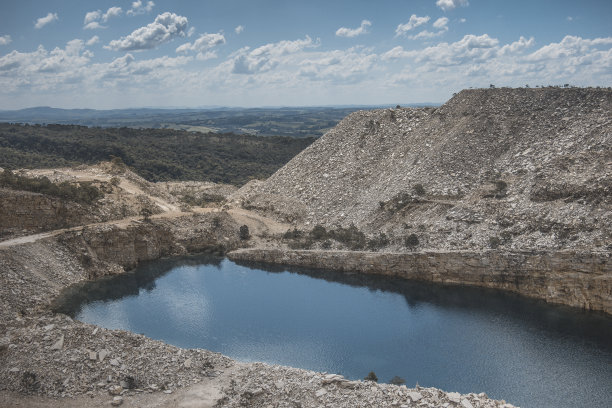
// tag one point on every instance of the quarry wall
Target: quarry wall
(582, 280)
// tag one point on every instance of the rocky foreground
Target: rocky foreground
(52, 356)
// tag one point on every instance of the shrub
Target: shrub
(397, 380)
(371, 377)
(412, 241)
(494, 242)
(82, 192)
(378, 242)
(419, 189)
(244, 233)
(318, 233)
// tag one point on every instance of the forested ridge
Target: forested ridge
(155, 154)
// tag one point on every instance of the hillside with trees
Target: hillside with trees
(155, 154)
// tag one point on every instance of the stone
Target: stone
(167, 391)
(114, 362)
(58, 344)
(415, 396)
(187, 363)
(454, 397)
(117, 401)
(321, 392)
(102, 354)
(93, 356)
(466, 403)
(115, 390)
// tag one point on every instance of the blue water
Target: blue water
(455, 338)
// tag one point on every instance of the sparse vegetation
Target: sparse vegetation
(82, 192)
(412, 241)
(371, 377)
(244, 232)
(397, 380)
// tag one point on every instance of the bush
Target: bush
(82, 192)
(412, 241)
(397, 380)
(371, 377)
(378, 242)
(244, 233)
(494, 242)
(419, 189)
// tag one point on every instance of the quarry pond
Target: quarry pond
(455, 338)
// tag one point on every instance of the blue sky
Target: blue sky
(118, 54)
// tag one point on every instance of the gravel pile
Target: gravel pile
(518, 169)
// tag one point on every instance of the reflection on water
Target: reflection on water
(455, 338)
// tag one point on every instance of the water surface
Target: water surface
(455, 338)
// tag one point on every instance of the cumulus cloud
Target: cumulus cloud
(239, 29)
(570, 46)
(516, 46)
(93, 40)
(43, 61)
(414, 22)
(441, 23)
(43, 21)
(344, 66)
(266, 57)
(396, 53)
(139, 8)
(112, 12)
(94, 25)
(165, 28)
(5, 39)
(92, 16)
(354, 32)
(202, 46)
(451, 4)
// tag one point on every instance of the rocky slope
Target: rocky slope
(515, 169)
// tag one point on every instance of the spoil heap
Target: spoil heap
(515, 169)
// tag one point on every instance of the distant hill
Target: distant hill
(294, 122)
(155, 154)
(520, 169)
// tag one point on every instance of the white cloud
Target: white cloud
(462, 20)
(414, 22)
(42, 61)
(165, 28)
(112, 12)
(267, 56)
(425, 35)
(93, 40)
(5, 40)
(396, 53)
(339, 66)
(239, 29)
(202, 45)
(441, 23)
(138, 8)
(92, 16)
(354, 32)
(516, 46)
(451, 4)
(570, 18)
(94, 25)
(43, 21)
(570, 46)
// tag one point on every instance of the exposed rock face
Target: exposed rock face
(576, 279)
(32, 212)
(520, 169)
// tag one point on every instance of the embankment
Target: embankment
(575, 279)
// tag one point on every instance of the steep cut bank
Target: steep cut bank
(510, 169)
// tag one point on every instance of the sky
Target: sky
(198, 53)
